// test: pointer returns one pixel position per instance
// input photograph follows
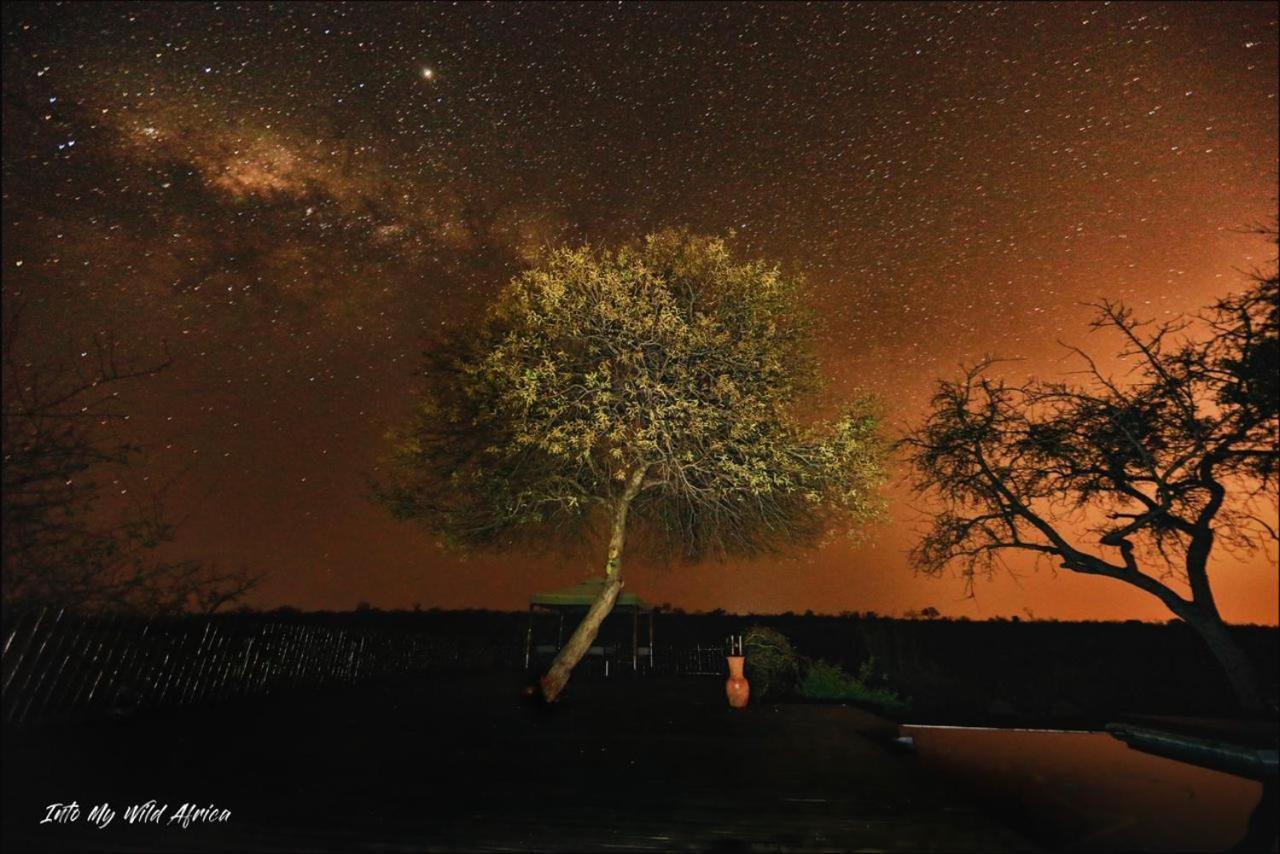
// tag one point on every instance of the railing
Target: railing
(698, 661)
(616, 659)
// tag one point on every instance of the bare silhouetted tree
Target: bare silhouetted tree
(62, 544)
(1136, 478)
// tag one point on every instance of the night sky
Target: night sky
(295, 197)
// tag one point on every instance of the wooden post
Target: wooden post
(528, 640)
(650, 641)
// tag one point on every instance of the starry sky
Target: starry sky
(294, 197)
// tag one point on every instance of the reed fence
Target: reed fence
(59, 666)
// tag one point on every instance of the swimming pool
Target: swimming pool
(1071, 790)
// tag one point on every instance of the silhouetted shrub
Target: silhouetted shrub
(773, 668)
(826, 681)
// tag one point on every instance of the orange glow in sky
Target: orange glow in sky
(275, 192)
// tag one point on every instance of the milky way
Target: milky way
(294, 197)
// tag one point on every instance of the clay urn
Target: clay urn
(736, 686)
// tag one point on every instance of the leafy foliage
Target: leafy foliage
(826, 681)
(667, 361)
(772, 665)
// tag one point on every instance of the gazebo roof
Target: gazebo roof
(583, 594)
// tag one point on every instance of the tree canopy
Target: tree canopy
(666, 358)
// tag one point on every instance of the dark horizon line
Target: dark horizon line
(863, 615)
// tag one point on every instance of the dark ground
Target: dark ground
(450, 763)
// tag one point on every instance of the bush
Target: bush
(826, 681)
(773, 668)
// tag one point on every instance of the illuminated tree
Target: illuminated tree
(654, 386)
(1137, 479)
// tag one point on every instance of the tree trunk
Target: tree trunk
(1239, 669)
(557, 676)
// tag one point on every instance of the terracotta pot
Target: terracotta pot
(736, 686)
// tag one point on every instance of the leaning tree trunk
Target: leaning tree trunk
(571, 653)
(1239, 669)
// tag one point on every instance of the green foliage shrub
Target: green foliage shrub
(773, 667)
(826, 681)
